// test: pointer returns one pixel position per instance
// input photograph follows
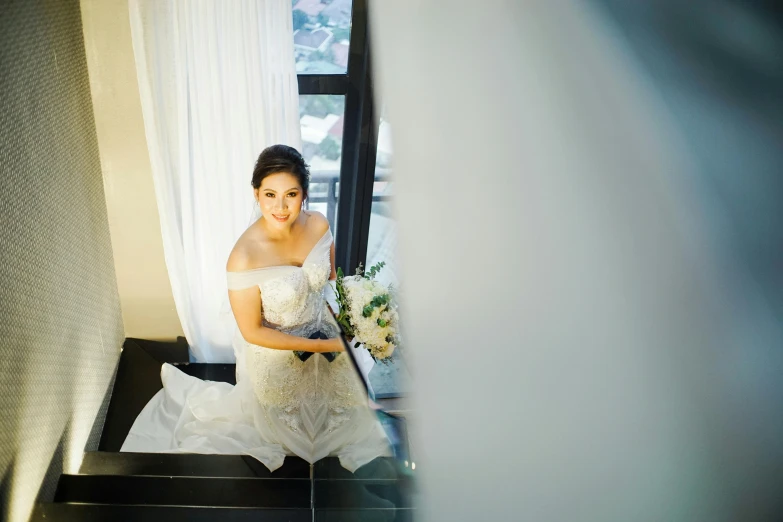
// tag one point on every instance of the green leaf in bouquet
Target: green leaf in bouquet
(373, 271)
(380, 300)
(345, 326)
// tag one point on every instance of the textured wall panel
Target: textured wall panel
(60, 321)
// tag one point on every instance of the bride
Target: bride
(285, 402)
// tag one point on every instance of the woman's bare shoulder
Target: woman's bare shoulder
(317, 221)
(238, 260)
(246, 251)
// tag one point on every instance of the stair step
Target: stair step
(184, 491)
(209, 371)
(189, 465)
(136, 382)
(63, 512)
(357, 493)
(364, 515)
(163, 351)
(233, 466)
(380, 468)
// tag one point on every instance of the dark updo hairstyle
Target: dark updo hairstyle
(281, 158)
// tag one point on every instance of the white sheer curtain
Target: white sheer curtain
(218, 84)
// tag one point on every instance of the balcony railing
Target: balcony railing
(331, 178)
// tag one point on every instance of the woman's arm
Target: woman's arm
(246, 306)
(333, 274)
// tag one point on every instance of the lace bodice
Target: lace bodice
(291, 297)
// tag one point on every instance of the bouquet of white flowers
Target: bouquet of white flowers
(368, 312)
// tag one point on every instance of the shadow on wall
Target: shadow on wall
(5, 490)
(18, 488)
(56, 465)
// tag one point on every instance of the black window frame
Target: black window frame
(359, 148)
(360, 141)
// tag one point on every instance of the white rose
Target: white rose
(385, 352)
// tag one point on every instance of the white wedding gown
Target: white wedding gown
(280, 405)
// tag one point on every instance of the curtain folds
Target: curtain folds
(218, 84)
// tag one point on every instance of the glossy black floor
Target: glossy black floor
(176, 487)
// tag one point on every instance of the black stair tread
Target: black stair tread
(210, 371)
(64, 512)
(364, 515)
(189, 465)
(368, 494)
(163, 351)
(136, 382)
(379, 468)
(184, 491)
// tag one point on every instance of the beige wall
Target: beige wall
(148, 309)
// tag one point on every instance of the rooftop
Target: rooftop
(311, 39)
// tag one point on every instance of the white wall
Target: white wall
(571, 327)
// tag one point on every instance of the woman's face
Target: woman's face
(280, 198)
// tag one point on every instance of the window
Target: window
(322, 34)
(382, 236)
(388, 380)
(321, 117)
(338, 148)
(347, 145)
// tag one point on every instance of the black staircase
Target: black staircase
(114, 486)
